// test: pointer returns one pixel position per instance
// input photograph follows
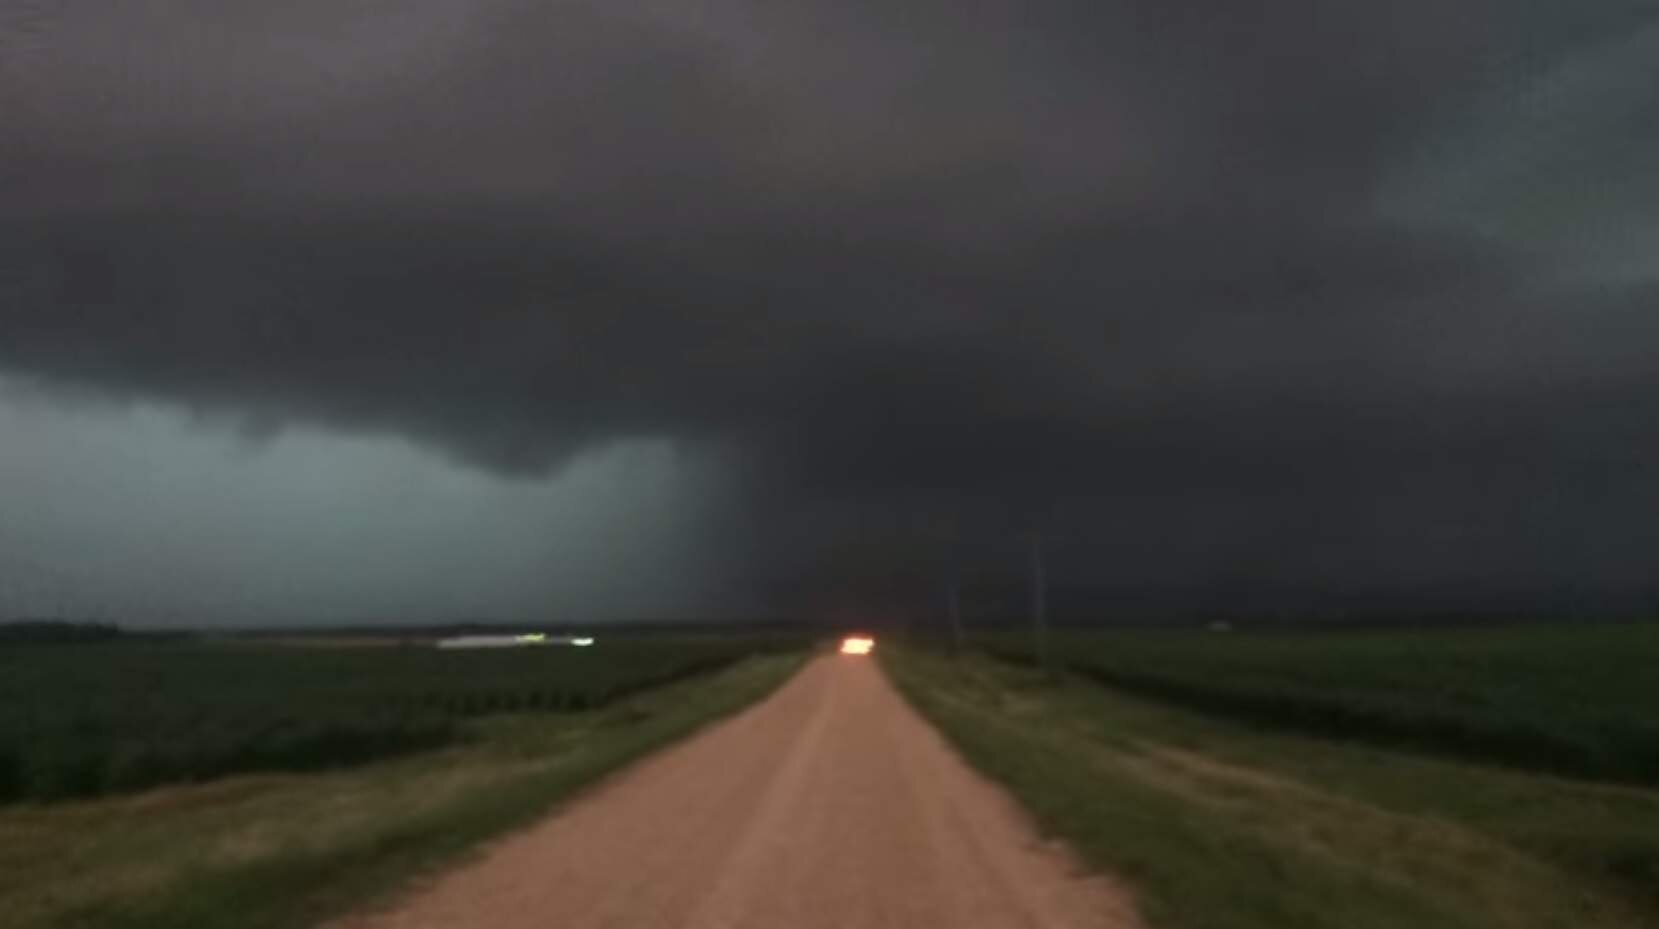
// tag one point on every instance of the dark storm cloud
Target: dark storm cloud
(1126, 268)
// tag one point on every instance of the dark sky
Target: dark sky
(1278, 303)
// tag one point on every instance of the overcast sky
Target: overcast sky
(327, 311)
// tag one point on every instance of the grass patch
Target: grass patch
(1217, 825)
(282, 851)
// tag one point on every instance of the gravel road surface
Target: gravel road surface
(829, 805)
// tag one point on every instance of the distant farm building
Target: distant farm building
(530, 640)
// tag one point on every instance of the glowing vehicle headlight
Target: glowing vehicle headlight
(857, 645)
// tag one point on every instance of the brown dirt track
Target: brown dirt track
(830, 804)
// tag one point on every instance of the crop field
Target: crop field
(1216, 821)
(1581, 700)
(84, 720)
(287, 850)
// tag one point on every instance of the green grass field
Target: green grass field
(1218, 823)
(283, 851)
(1581, 700)
(92, 719)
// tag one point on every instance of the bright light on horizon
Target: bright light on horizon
(857, 645)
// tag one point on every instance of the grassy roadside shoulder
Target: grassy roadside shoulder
(1218, 826)
(284, 851)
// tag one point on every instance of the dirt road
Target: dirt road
(830, 804)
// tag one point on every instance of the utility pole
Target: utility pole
(1039, 602)
(953, 601)
(950, 536)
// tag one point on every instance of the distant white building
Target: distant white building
(529, 640)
